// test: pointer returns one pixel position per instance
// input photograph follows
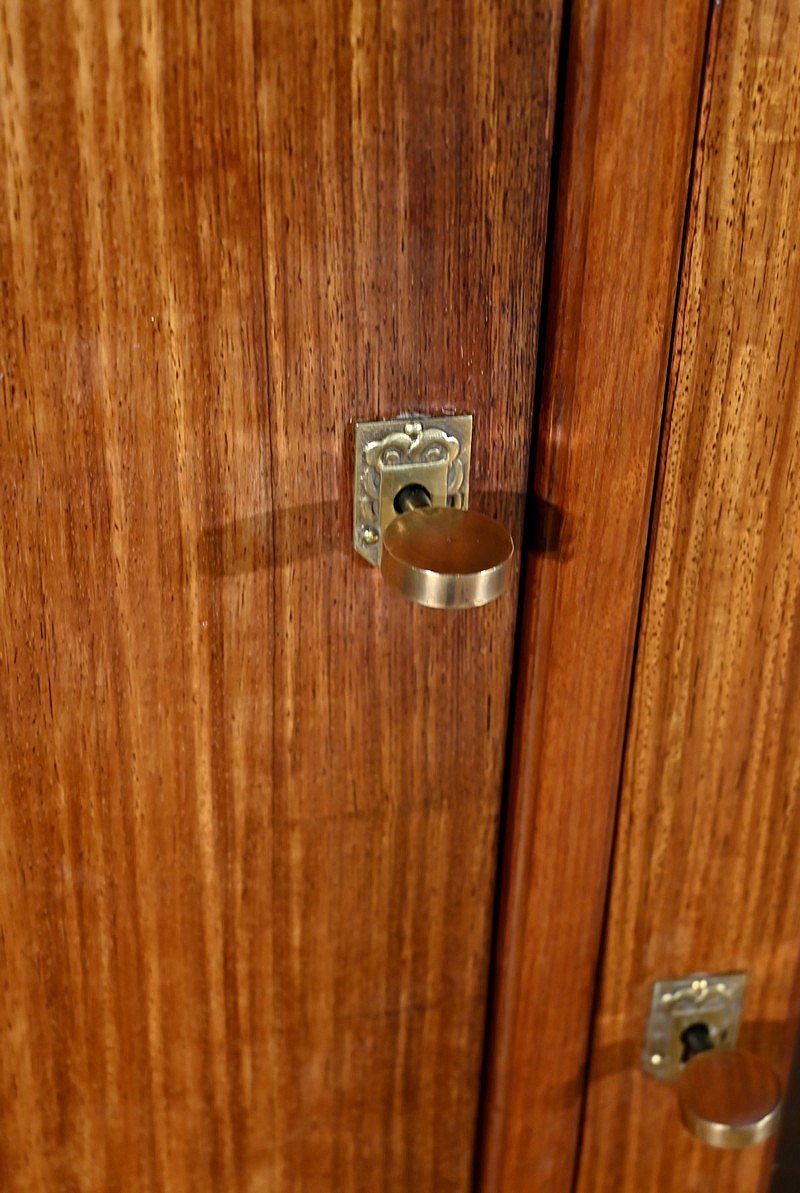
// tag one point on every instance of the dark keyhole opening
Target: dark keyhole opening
(696, 1038)
(412, 497)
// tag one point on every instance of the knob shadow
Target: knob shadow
(281, 537)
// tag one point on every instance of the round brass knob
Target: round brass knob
(729, 1098)
(446, 558)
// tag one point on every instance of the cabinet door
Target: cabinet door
(706, 875)
(249, 795)
(666, 469)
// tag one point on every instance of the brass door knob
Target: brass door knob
(444, 558)
(411, 515)
(729, 1098)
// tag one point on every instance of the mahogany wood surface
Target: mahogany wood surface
(249, 796)
(631, 104)
(706, 874)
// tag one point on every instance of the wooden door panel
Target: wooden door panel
(705, 874)
(249, 797)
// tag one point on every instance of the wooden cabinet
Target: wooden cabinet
(304, 887)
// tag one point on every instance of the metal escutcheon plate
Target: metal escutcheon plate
(433, 451)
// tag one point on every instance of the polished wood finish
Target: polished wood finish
(250, 795)
(631, 104)
(706, 873)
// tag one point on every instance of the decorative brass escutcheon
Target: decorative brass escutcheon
(411, 516)
(727, 1098)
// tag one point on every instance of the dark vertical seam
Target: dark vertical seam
(482, 1116)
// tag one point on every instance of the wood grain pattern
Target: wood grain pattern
(249, 797)
(706, 874)
(632, 92)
